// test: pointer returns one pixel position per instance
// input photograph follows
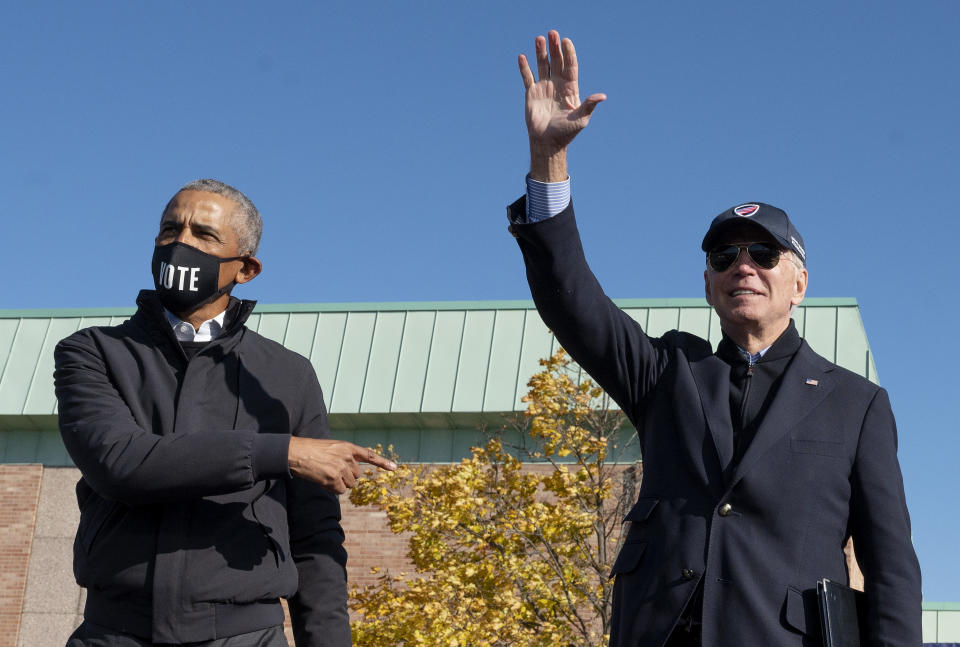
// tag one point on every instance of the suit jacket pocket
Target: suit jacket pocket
(820, 439)
(634, 522)
(820, 447)
(642, 509)
(801, 612)
(629, 557)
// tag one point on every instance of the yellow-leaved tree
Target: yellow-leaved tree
(513, 545)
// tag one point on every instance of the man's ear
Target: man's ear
(706, 286)
(249, 270)
(800, 287)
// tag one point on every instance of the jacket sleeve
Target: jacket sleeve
(319, 609)
(880, 526)
(602, 338)
(122, 461)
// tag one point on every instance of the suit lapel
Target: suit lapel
(712, 377)
(806, 382)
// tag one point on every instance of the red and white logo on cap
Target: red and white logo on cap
(746, 210)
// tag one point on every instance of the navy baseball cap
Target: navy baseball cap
(772, 220)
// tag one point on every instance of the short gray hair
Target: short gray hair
(246, 219)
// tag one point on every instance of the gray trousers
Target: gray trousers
(89, 634)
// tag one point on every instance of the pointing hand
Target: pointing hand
(334, 464)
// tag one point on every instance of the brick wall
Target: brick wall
(370, 542)
(53, 603)
(20, 490)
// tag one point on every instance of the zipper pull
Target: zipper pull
(750, 369)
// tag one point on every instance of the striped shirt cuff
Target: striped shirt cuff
(546, 199)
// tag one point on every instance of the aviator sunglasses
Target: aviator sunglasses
(765, 255)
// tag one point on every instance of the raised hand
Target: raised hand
(554, 112)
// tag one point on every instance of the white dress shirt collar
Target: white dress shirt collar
(753, 358)
(184, 331)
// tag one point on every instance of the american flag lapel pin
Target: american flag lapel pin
(812, 382)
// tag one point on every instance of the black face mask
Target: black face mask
(186, 278)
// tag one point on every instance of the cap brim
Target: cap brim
(710, 239)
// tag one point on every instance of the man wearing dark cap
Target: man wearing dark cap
(761, 459)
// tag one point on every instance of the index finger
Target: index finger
(373, 458)
(525, 72)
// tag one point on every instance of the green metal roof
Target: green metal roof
(432, 367)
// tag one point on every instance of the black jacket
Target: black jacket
(756, 533)
(191, 527)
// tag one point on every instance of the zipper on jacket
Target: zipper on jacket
(746, 395)
(739, 432)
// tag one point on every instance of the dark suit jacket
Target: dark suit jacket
(822, 467)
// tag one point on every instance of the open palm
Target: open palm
(553, 109)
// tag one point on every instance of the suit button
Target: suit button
(689, 573)
(725, 509)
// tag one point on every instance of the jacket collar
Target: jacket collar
(786, 345)
(153, 317)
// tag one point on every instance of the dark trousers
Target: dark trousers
(89, 634)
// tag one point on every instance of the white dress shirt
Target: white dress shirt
(184, 331)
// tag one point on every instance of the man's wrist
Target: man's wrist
(548, 165)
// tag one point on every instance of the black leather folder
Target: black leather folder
(841, 614)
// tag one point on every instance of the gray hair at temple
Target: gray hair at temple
(246, 219)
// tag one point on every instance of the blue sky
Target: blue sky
(382, 141)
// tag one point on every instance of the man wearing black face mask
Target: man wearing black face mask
(208, 474)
